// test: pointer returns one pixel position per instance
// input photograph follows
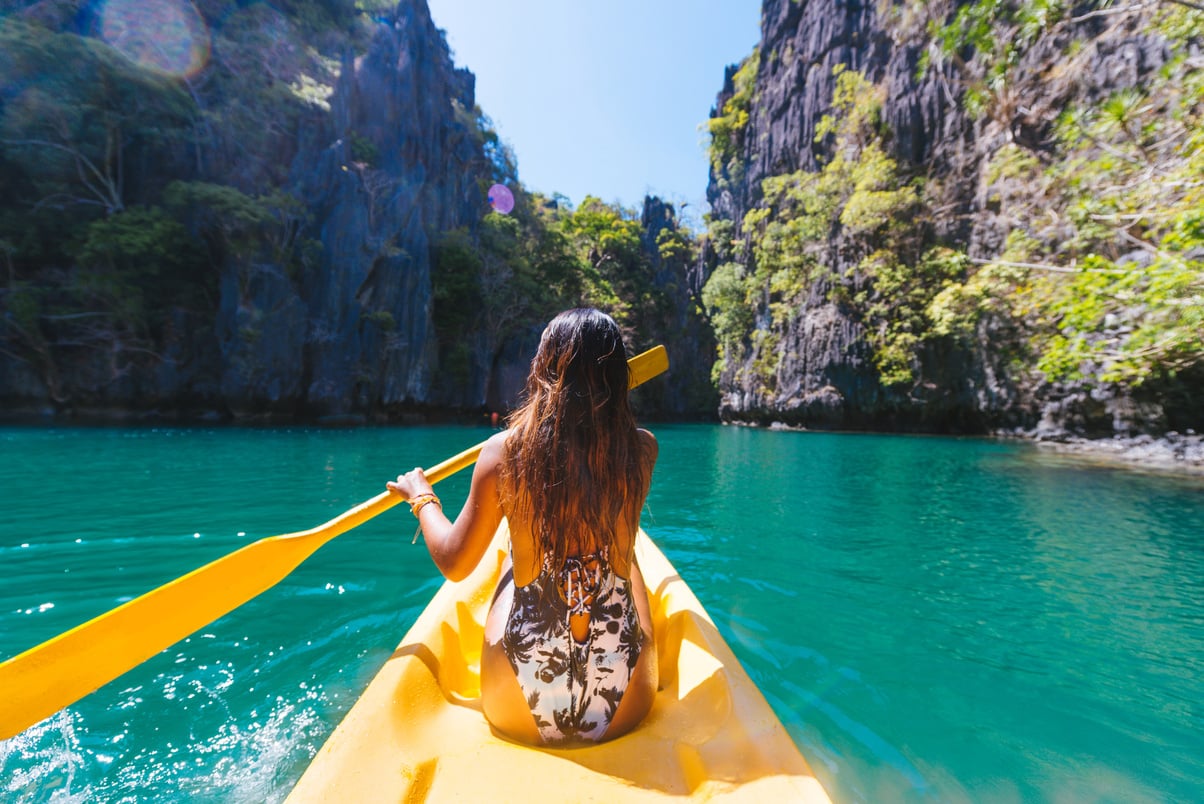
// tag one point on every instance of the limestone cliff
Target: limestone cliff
(687, 391)
(815, 346)
(282, 215)
(325, 152)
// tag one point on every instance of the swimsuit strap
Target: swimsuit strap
(579, 578)
(601, 554)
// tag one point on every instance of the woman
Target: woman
(569, 655)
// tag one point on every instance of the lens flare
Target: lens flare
(168, 36)
(501, 199)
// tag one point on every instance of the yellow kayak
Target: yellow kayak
(418, 734)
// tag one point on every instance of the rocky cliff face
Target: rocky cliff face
(353, 334)
(348, 153)
(686, 391)
(826, 377)
(348, 146)
(826, 373)
(317, 166)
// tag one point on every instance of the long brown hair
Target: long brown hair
(574, 467)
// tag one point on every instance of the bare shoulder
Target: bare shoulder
(494, 449)
(650, 445)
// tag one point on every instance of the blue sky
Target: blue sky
(602, 98)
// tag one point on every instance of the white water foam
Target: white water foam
(58, 761)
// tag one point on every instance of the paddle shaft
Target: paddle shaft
(60, 671)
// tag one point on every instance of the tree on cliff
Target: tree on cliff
(78, 107)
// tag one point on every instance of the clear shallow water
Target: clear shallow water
(933, 619)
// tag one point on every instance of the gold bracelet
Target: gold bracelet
(416, 506)
(423, 501)
(419, 498)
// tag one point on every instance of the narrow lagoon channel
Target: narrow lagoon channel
(933, 619)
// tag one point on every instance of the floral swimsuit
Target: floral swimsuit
(573, 688)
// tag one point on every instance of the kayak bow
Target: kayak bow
(418, 733)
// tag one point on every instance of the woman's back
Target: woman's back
(575, 633)
(532, 554)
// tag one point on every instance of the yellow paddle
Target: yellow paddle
(44, 679)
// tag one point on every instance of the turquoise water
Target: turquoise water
(933, 619)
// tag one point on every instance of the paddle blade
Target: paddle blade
(64, 669)
(646, 365)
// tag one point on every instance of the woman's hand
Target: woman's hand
(411, 484)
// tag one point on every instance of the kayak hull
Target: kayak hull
(418, 733)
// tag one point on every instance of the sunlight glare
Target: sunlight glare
(168, 36)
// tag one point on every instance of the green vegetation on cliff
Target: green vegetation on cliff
(727, 128)
(106, 231)
(522, 268)
(859, 196)
(90, 260)
(1104, 269)
(1096, 204)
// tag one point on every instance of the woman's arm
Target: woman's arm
(456, 547)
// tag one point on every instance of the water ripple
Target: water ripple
(932, 619)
